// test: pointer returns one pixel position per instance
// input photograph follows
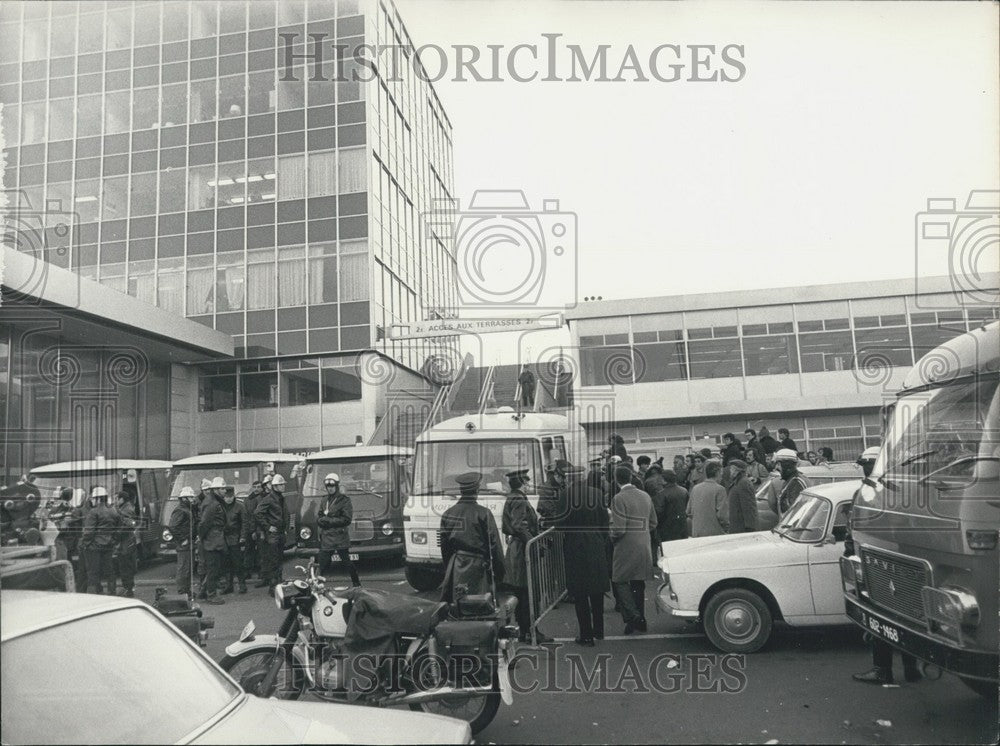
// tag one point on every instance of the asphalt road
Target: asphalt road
(671, 686)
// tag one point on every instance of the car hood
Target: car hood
(258, 720)
(749, 550)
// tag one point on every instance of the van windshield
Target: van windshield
(438, 464)
(238, 478)
(947, 437)
(370, 483)
(49, 485)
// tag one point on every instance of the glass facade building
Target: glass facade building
(232, 162)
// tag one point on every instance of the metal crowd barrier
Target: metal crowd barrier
(546, 575)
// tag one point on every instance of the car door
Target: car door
(824, 568)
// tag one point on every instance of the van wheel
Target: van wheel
(985, 689)
(423, 579)
(737, 621)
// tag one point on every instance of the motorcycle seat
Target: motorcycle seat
(476, 605)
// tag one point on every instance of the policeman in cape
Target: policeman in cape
(470, 544)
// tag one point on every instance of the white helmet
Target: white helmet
(267, 479)
(331, 477)
(186, 492)
(277, 481)
(206, 484)
(99, 491)
(870, 454)
(219, 483)
(786, 454)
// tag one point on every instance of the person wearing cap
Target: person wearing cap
(205, 495)
(60, 513)
(787, 461)
(101, 528)
(550, 492)
(632, 520)
(470, 544)
(336, 513)
(181, 527)
(128, 560)
(235, 534)
(519, 525)
(272, 520)
(742, 499)
(211, 532)
(251, 553)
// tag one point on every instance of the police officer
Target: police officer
(271, 518)
(182, 529)
(101, 527)
(61, 514)
(211, 531)
(519, 525)
(788, 464)
(251, 556)
(127, 554)
(200, 504)
(335, 516)
(235, 535)
(470, 544)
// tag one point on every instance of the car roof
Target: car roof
(836, 492)
(29, 611)
(498, 426)
(114, 464)
(359, 452)
(976, 351)
(245, 457)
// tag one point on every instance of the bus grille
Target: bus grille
(362, 531)
(895, 583)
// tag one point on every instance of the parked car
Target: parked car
(81, 668)
(767, 493)
(738, 585)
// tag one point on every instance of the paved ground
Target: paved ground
(672, 686)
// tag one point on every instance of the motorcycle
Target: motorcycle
(381, 649)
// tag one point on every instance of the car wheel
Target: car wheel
(737, 621)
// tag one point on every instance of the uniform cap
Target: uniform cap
(521, 474)
(219, 483)
(186, 492)
(562, 465)
(332, 477)
(469, 479)
(739, 464)
(786, 454)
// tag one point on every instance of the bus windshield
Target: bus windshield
(946, 436)
(437, 464)
(370, 483)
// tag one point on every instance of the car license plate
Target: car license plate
(881, 629)
(353, 557)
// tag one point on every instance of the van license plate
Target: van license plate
(883, 630)
(353, 557)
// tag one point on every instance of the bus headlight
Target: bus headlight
(166, 535)
(418, 537)
(305, 533)
(387, 529)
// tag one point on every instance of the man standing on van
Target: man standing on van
(335, 517)
(470, 544)
(272, 519)
(527, 382)
(632, 519)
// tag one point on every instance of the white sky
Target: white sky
(810, 170)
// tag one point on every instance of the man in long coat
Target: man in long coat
(470, 544)
(632, 518)
(742, 500)
(519, 525)
(583, 521)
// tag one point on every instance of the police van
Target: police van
(493, 444)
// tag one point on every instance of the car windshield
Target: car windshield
(237, 478)
(807, 519)
(119, 677)
(370, 483)
(437, 464)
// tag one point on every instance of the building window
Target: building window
(258, 386)
(353, 272)
(322, 273)
(201, 187)
(823, 349)
(340, 382)
(714, 352)
(230, 280)
(884, 339)
(261, 283)
(299, 382)
(291, 177)
(323, 173)
(203, 100)
(216, 392)
(662, 356)
(769, 349)
(200, 285)
(352, 171)
(292, 276)
(260, 180)
(170, 285)
(172, 190)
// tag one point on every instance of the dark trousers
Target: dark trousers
(590, 615)
(214, 560)
(632, 597)
(527, 398)
(100, 567)
(233, 566)
(80, 572)
(271, 553)
(251, 557)
(325, 557)
(882, 657)
(185, 555)
(127, 562)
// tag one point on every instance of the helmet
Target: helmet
(267, 479)
(331, 477)
(99, 491)
(786, 454)
(278, 481)
(206, 484)
(870, 454)
(219, 483)
(186, 492)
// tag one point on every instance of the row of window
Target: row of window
(665, 356)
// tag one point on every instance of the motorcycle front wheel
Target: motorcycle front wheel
(478, 711)
(250, 668)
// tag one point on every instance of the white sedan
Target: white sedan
(739, 584)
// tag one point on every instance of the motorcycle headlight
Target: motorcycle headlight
(387, 529)
(166, 535)
(305, 533)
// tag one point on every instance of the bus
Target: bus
(147, 479)
(377, 480)
(240, 470)
(493, 444)
(925, 525)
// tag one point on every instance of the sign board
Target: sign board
(450, 327)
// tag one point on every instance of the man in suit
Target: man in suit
(742, 500)
(632, 519)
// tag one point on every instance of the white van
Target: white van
(492, 444)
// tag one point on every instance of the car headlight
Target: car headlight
(305, 533)
(387, 529)
(418, 537)
(166, 535)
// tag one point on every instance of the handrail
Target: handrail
(487, 390)
(456, 384)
